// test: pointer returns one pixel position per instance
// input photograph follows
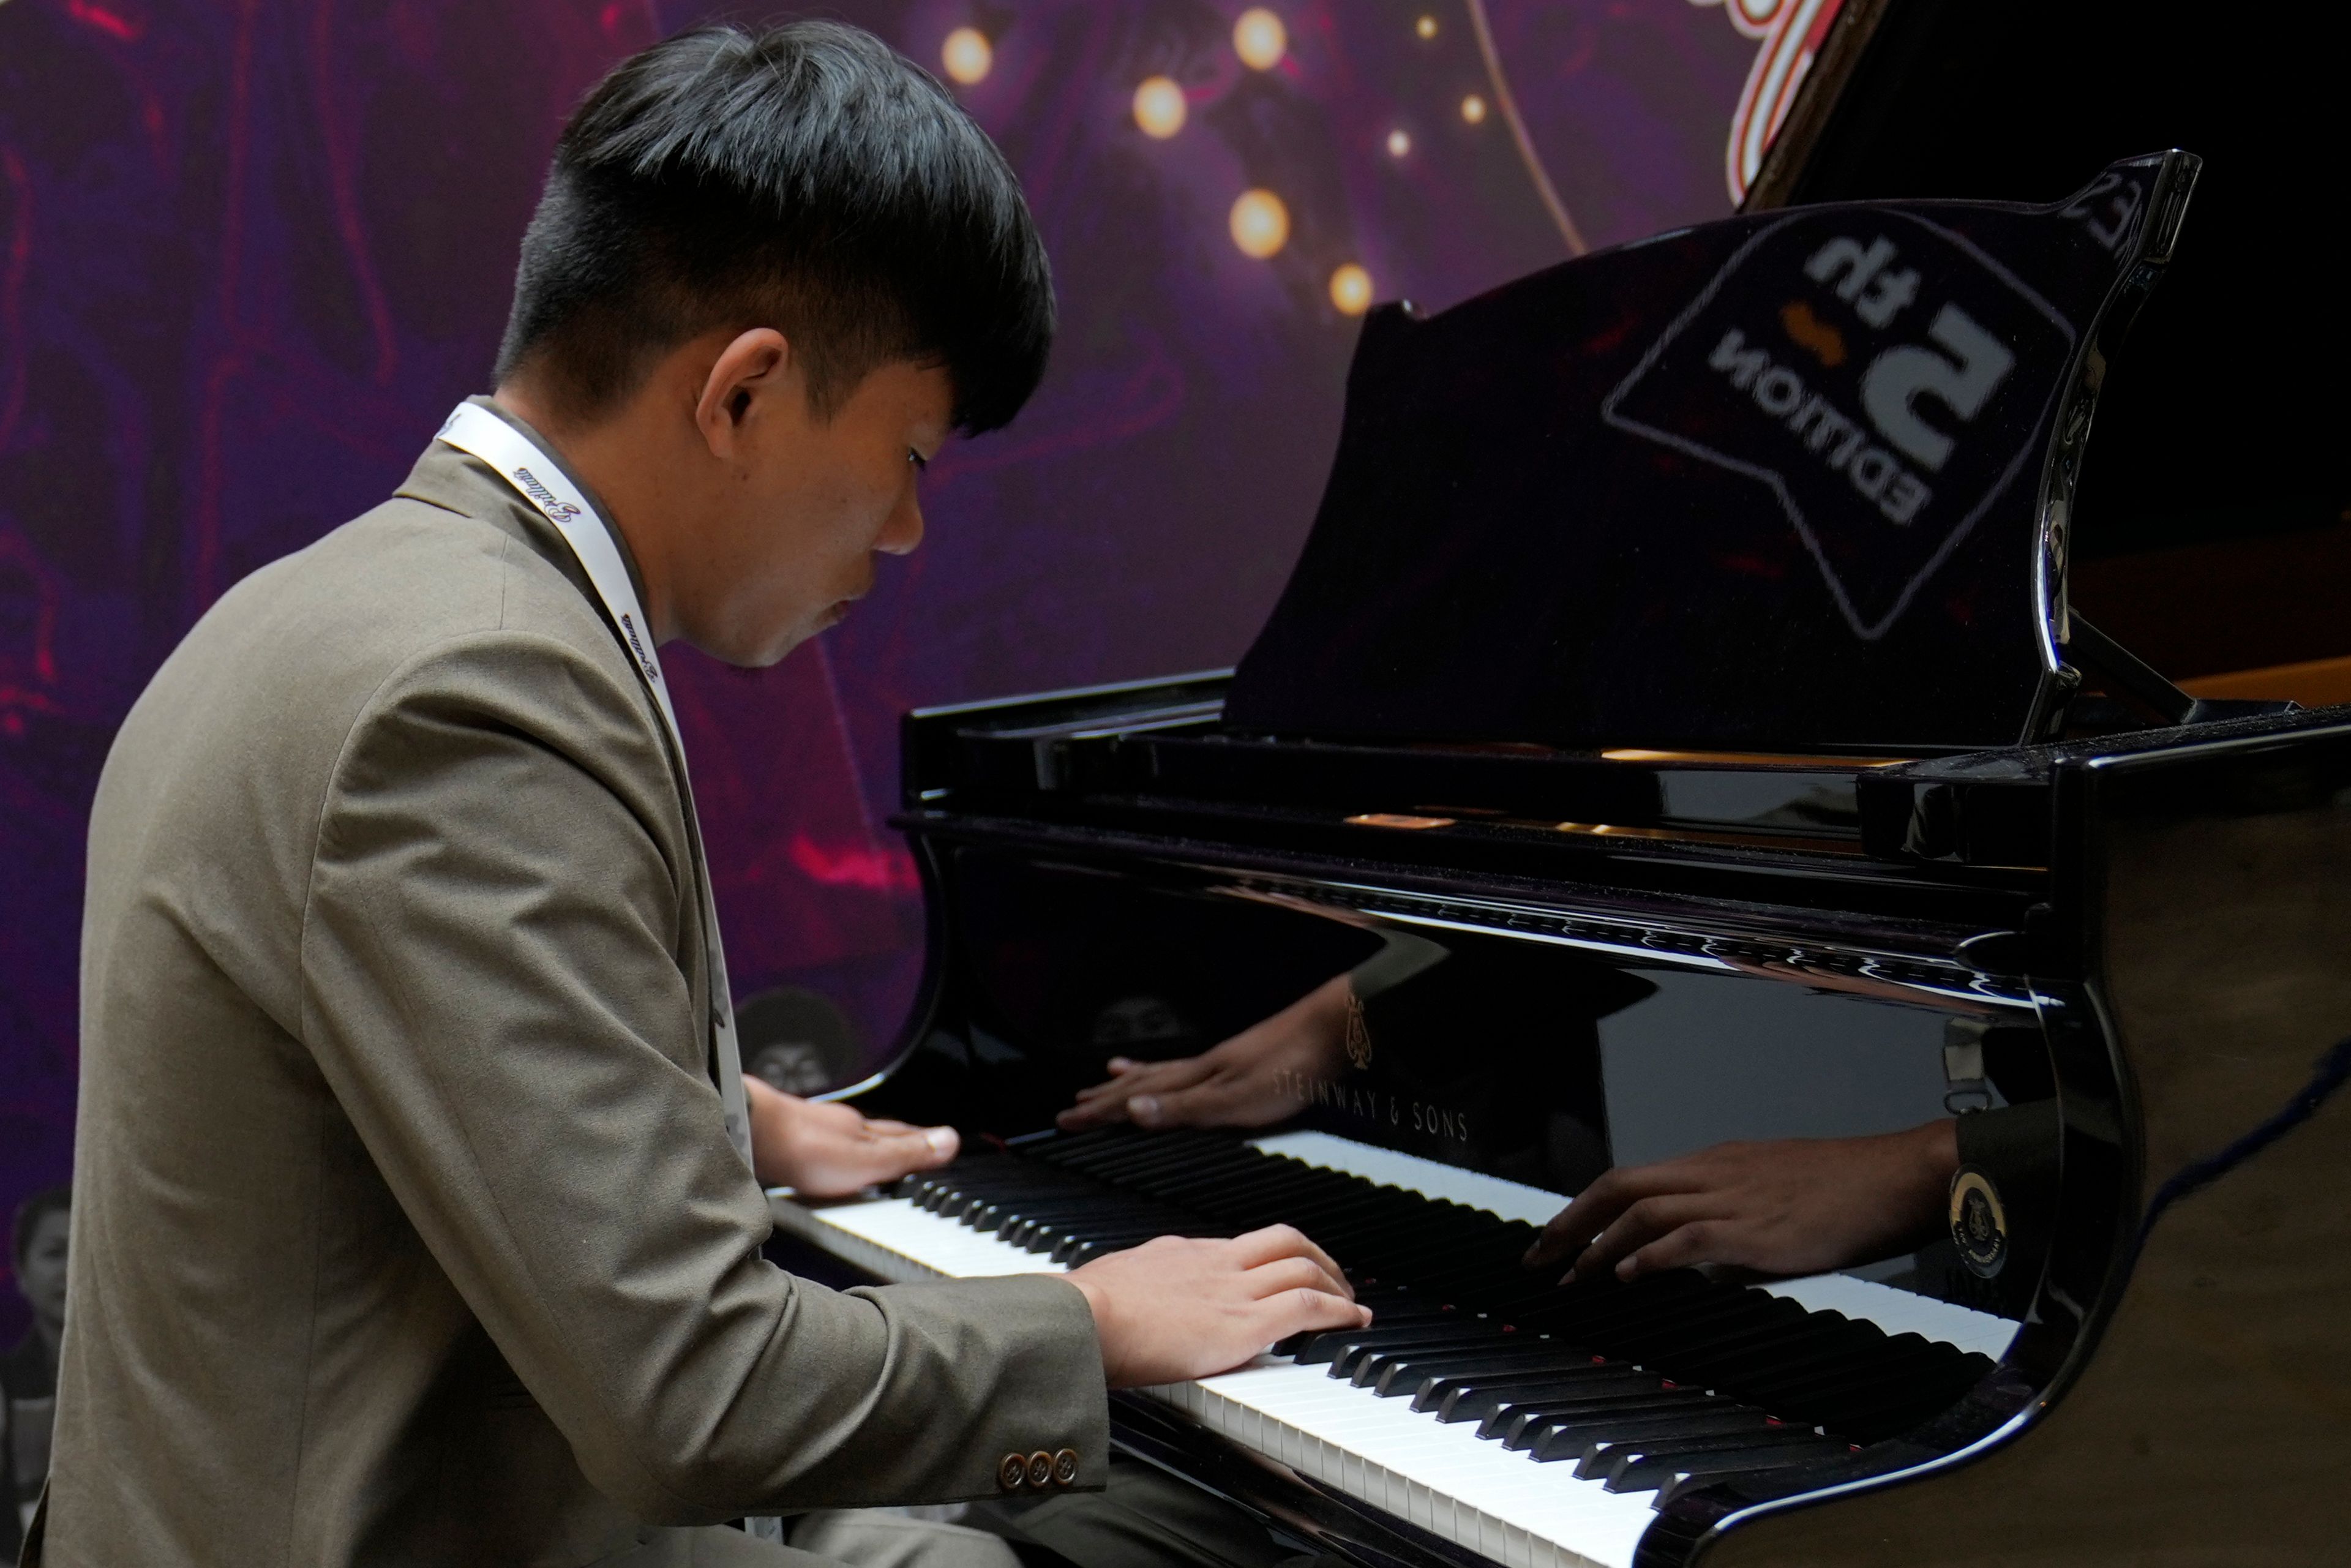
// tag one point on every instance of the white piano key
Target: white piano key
(891, 1238)
(1440, 1475)
(1443, 1479)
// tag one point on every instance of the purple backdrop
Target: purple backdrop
(252, 250)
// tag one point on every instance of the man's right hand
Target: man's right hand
(1180, 1308)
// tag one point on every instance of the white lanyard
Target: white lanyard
(474, 429)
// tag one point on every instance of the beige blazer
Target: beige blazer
(406, 1228)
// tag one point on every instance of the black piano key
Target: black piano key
(1458, 1230)
(1081, 1253)
(1233, 1191)
(1141, 1166)
(1418, 1242)
(1676, 1331)
(1688, 1474)
(1597, 1447)
(1831, 1368)
(1473, 1396)
(1833, 1395)
(1008, 1214)
(960, 1200)
(1390, 1309)
(1150, 1169)
(1591, 1441)
(1397, 1318)
(1394, 1374)
(1514, 1421)
(1370, 1229)
(1350, 1361)
(1597, 1311)
(1601, 1300)
(1079, 1249)
(1113, 1141)
(1056, 1147)
(1467, 1269)
(1322, 1348)
(1827, 1342)
(1762, 1315)
(1480, 1286)
(1266, 1185)
(1339, 1347)
(1017, 1222)
(1720, 1340)
(1739, 1368)
(1012, 1216)
(1647, 1472)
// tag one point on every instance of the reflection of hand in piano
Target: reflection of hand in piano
(1790, 1206)
(1250, 1081)
(830, 1150)
(1787, 1206)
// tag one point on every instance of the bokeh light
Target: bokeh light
(1351, 289)
(1260, 39)
(1425, 27)
(968, 55)
(1399, 142)
(1159, 107)
(1260, 224)
(1473, 109)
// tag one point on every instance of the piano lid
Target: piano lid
(2213, 529)
(1794, 480)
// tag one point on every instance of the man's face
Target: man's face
(798, 514)
(41, 1272)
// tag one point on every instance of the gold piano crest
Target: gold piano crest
(1359, 1034)
(1979, 1223)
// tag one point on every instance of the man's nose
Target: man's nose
(904, 532)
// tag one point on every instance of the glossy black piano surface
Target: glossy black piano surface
(1800, 479)
(1663, 774)
(2162, 927)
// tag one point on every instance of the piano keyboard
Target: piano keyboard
(1538, 1428)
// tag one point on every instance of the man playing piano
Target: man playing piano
(415, 1211)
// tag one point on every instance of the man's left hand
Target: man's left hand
(823, 1150)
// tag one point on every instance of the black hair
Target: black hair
(807, 177)
(30, 1213)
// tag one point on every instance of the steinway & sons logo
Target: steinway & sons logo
(1376, 1106)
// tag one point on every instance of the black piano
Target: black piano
(1678, 730)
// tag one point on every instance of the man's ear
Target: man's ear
(754, 368)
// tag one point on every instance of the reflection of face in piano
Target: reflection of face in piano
(1139, 1023)
(791, 1067)
(796, 1040)
(41, 1270)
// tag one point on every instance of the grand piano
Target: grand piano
(1679, 729)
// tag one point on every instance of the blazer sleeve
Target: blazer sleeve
(492, 988)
